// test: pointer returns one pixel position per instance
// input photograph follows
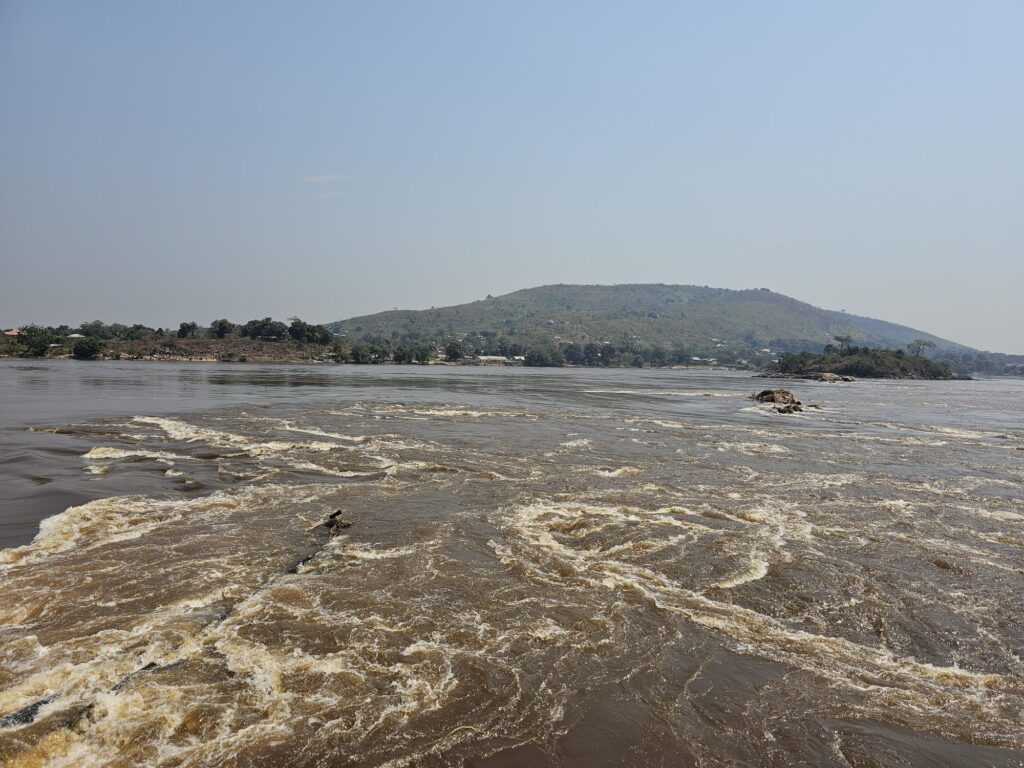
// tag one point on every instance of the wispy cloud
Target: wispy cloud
(327, 178)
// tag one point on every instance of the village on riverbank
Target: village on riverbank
(298, 342)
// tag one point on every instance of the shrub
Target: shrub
(88, 348)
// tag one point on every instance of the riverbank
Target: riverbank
(202, 351)
(242, 350)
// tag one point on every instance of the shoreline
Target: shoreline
(389, 363)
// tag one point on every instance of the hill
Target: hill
(707, 321)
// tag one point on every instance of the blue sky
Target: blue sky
(169, 161)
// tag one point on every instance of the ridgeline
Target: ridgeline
(695, 317)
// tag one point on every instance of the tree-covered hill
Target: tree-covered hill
(699, 318)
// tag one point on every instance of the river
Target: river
(526, 567)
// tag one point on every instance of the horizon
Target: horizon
(168, 163)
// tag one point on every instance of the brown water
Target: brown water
(569, 567)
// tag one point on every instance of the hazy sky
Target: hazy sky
(168, 161)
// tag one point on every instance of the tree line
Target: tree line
(38, 340)
(532, 352)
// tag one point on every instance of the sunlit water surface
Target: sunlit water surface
(543, 567)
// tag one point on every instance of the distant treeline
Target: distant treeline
(537, 353)
(99, 338)
(39, 341)
(90, 340)
(266, 329)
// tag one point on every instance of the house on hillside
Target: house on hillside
(12, 332)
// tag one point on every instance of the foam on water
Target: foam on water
(461, 582)
(892, 682)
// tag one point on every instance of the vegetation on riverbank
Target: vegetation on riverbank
(262, 340)
(865, 362)
(268, 340)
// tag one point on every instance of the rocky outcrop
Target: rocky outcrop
(829, 378)
(784, 400)
(26, 714)
(777, 396)
(335, 523)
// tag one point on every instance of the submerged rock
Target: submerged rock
(26, 714)
(791, 408)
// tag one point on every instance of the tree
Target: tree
(88, 348)
(102, 330)
(573, 353)
(267, 328)
(918, 346)
(138, 332)
(658, 356)
(342, 350)
(96, 328)
(317, 334)
(403, 353)
(187, 330)
(423, 353)
(35, 340)
(360, 353)
(843, 341)
(299, 329)
(453, 350)
(381, 349)
(221, 328)
(544, 357)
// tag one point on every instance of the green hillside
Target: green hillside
(701, 319)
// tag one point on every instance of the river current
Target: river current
(209, 565)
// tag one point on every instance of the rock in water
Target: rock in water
(777, 396)
(335, 523)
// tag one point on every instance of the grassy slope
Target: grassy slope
(662, 314)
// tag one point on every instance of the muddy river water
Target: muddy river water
(210, 565)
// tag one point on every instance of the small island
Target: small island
(845, 362)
